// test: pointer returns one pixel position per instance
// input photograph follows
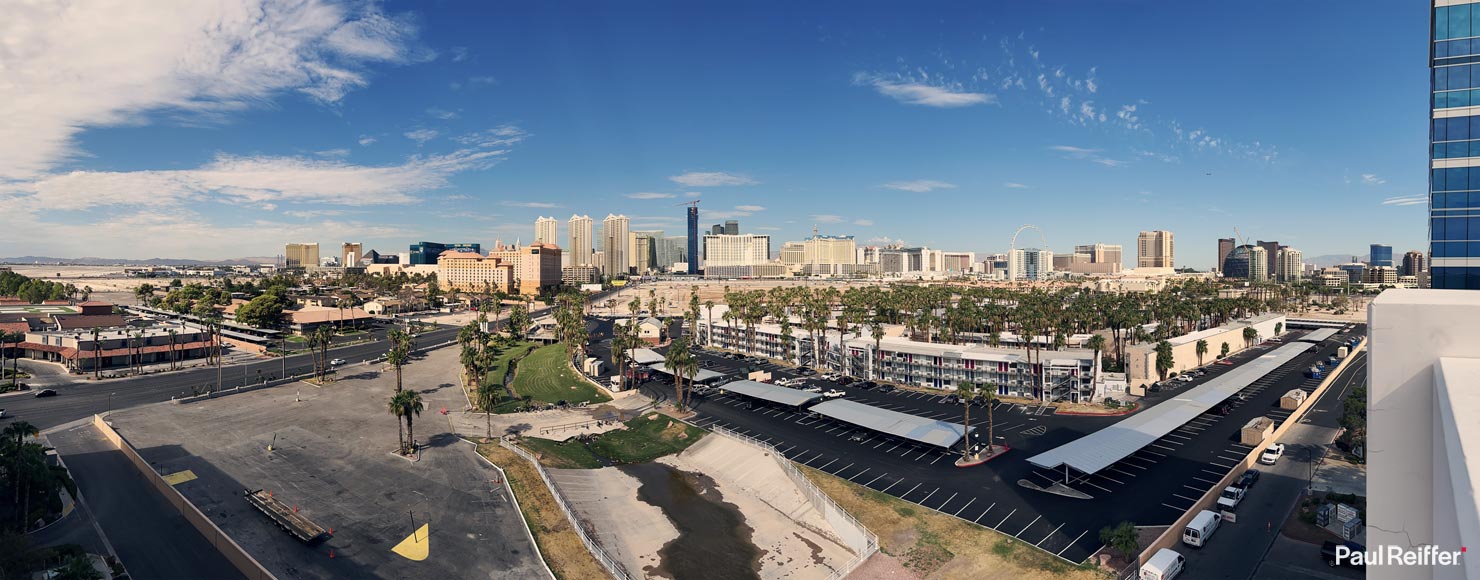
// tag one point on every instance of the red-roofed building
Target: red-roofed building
(117, 347)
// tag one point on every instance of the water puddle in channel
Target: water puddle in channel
(713, 543)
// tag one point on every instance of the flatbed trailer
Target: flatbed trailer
(285, 517)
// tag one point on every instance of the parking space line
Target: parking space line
(963, 508)
(1076, 540)
(1004, 519)
(989, 508)
(1103, 476)
(1229, 466)
(871, 481)
(1158, 446)
(1142, 468)
(1050, 534)
(1196, 489)
(1025, 528)
(1217, 473)
(845, 468)
(891, 486)
(824, 467)
(865, 470)
(941, 507)
(937, 458)
(783, 451)
(1173, 507)
(1206, 480)
(1185, 497)
(927, 496)
(1151, 452)
(1179, 436)
(912, 490)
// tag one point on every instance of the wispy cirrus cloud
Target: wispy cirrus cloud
(912, 91)
(195, 59)
(710, 179)
(1372, 179)
(826, 218)
(442, 114)
(421, 136)
(1087, 154)
(751, 208)
(530, 204)
(1407, 200)
(1014, 185)
(863, 222)
(918, 185)
(648, 195)
(366, 140)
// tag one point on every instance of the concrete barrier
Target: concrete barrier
(223, 543)
(1173, 534)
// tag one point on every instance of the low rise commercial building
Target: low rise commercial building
(117, 347)
(1141, 358)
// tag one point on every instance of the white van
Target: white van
(1201, 528)
(1165, 565)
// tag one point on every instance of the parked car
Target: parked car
(1328, 553)
(336, 362)
(45, 393)
(858, 436)
(833, 394)
(886, 388)
(812, 389)
(1248, 479)
(1225, 363)
(1154, 387)
(1272, 454)
(2, 413)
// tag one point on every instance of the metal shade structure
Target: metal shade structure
(703, 375)
(917, 429)
(645, 356)
(771, 393)
(1318, 335)
(1103, 448)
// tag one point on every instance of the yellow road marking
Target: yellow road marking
(416, 546)
(179, 477)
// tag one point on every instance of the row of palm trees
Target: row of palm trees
(405, 405)
(951, 313)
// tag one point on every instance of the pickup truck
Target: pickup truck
(1231, 497)
(1272, 454)
(833, 394)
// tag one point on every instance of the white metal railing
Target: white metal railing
(612, 566)
(834, 513)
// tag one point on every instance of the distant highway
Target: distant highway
(83, 398)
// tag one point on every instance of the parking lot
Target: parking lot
(1151, 487)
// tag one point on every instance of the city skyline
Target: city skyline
(429, 128)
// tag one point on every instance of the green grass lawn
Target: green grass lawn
(296, 338)
(506, 354)
(544, 376)
(646, 438)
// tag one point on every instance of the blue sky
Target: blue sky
(944, 124)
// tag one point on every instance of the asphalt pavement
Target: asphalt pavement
(83, 398)
(1154, 486)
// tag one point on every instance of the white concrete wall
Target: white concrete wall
(1407, 471)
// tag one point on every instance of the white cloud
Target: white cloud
(738, 212)
(710, 179)
(1372, 179)
(919, 185)
(862, 222)
(313, 213)
(442, 114)
(767, 228)
(366, 141)
(500, 136)
(421, 136)
(532, 204)
(1407, 200)
(1014, 185)
(749, 208)
(336, 153)
(691, 194)
(648, 195)
(826, 218)
(459, 53)
(911, 92)
(1091, 155)
(1076, 151)
(74, 66)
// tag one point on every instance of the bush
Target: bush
(1112, 404)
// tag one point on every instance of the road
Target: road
(77, 400)
(1228, 553)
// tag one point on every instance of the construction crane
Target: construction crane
(694, 203)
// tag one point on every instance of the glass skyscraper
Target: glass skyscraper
(1380, 255)
(1454, 167)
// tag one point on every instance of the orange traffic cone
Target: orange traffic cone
(331, 553)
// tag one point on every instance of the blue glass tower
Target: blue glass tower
(1454, 152)
(694, 239)
(1380, 255)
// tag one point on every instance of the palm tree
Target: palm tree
(681, 362)
(411, 407)
(19, 430)
(1278, 326)
(1096, 343)
(488, 396)
(1250, 335)
(1202, 349)
(709, 309)
(968, 392)
(397, 357)
(396, 406)
(14, 338)
(1164, 360)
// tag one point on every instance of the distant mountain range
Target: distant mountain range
(1329, 260)
(47, 260)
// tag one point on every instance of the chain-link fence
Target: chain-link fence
(612, 566)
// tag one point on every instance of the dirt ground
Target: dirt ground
(559, 543)
(938, 547)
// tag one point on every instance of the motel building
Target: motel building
(117, 347)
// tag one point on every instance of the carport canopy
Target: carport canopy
(771, 393)
(703, 375)
(1318, 335)
(917, 429)
(1101, 449)
(645, 356)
